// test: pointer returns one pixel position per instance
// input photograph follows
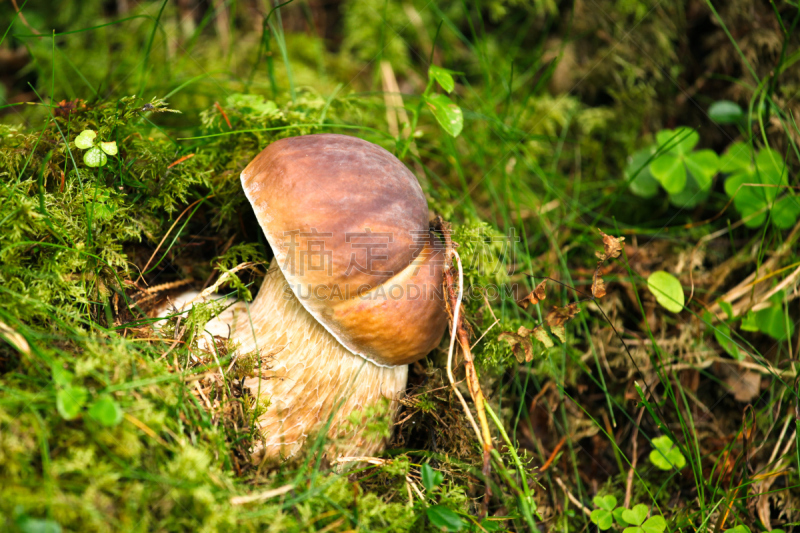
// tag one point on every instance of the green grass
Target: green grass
(552, 109)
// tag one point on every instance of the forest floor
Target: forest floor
(621, 183)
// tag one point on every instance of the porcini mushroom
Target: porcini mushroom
(353, 294)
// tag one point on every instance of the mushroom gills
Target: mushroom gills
(306, 375)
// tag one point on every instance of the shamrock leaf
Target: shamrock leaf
(736, 157)
(691, 195)
(741, 528)
(605, 502)
(635, 516)
(85, 139)
(670, 171)
(95, 157)
(678, 141)
(654, 524)
(702, 165)
(110, 147)
(785, 211)
(666, 455)
(755, 186)
(618, 516)
(603, 516)
(638, 175)
(676, 160)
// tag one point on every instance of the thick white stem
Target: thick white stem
(307, 377)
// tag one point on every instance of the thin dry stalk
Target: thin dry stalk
(575, 501)
(634, 458)
(459, 330)
(396, 115)
(261, 496)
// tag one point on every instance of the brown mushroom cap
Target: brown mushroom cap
(348, 223)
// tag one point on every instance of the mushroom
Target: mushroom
(352, 296)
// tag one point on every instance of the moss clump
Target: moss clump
(75, 329)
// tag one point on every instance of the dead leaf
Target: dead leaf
(14, 338)
(612, 247)
(520, 343)
(745, 387)
(560, 332)
(534, 297)
(542, 336)
(598, 285)
(557, 316)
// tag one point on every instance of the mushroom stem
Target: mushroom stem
(304, 376)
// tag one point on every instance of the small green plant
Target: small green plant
(441, 516)
(666, 455)
(633, 520)
(673, 163)
(756, 182)
(447, 113)
(71, 399)
(95, 155)
(637, 518)
(603, 516)
(741, 528)
(722, 332)
(771, 320)
(667, 290)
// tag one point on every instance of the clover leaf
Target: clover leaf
(654, 524)
(110, 147)
(85, 139)
(638, 176)
(95, 156)
(603, 516)
(756, 184)
(636, 518)
(636, 515)
(684, 173)
(676, 159)
(666, 455)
